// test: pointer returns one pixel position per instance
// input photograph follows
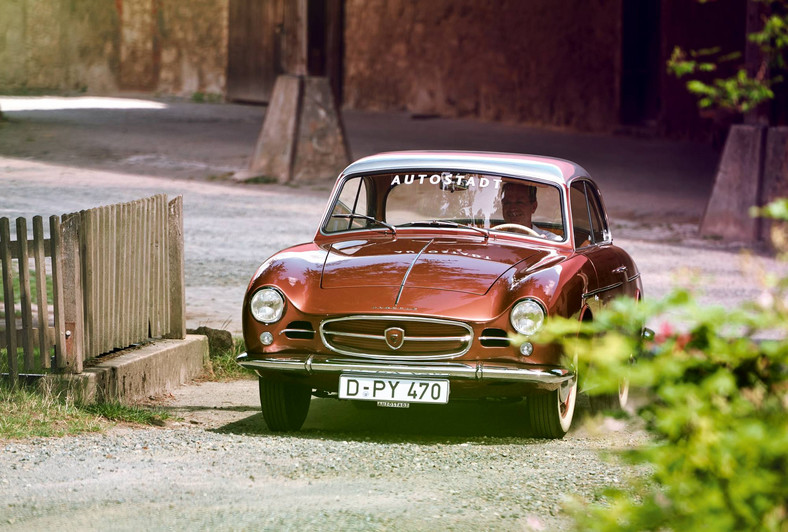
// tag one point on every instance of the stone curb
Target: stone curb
(137, 373)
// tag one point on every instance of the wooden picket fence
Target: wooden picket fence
(116, 277)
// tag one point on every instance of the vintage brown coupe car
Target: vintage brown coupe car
(428, 276)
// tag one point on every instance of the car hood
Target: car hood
(461, 266)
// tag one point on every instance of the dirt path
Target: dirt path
(217, 467)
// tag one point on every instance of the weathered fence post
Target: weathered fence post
(39, 254)
(72, 285)
(23, 261)
(56, 253)
(8, 297)
(175, 276)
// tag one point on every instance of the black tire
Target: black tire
(284, 405)
(551, 413)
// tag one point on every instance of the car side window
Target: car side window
(581, 221)
(598, 222)
(352, 200)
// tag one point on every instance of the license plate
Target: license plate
(381, 388)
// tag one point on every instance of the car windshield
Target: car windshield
(447, 199)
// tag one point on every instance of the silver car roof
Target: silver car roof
(549, 169)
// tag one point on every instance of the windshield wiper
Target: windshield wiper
(449, 223)
(368, 218)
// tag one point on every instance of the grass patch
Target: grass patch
(223, 367)
(115, 411)
(261, 180)
(20, 360)
(207, 97)
(28, 413)
(25, 413)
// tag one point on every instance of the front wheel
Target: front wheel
(615, 402)
(284, 405)
(551, 413)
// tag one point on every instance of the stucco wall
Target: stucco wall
(65, 45)
(193, 47)
(507, 60)
(102, 46)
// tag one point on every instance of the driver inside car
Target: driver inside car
(519, 204)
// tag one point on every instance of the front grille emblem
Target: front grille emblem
(395, 337)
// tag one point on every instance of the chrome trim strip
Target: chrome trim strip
(407, 273)
(458, 370)
(634, 277)
(600, 290)
(285, 331)
(467, 339)
(356, 335)
(494, 163)
(491, 338)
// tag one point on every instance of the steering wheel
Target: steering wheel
(517, 228)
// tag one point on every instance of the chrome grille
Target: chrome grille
(396, 337)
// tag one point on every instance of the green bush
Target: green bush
(717, 382)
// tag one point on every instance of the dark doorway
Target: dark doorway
(325, 26)
(641, 62)
(254, 49)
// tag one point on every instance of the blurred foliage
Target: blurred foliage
(742, 91)
(716, 379)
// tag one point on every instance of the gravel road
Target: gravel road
(349, 469)
(460, 467)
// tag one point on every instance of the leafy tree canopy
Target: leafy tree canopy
(746, 89)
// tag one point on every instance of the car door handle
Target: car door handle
(620, 269)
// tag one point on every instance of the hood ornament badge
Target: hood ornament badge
(395, 337)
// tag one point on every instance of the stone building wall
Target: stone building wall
(193, 47)
(507, 60)
(102, 46)
(58, 45)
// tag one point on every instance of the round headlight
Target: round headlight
(267, 305)
(527, 317)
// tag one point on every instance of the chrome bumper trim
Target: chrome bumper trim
(480, 371)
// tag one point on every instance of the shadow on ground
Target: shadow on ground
(330, 419)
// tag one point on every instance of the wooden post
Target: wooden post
(177, 294)
(23, 261)
(72, 290)
(85, 258)
(39, 255)
(8, 299)
(56, 253)
(294, 37)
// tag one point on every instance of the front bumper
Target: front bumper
(478, 371)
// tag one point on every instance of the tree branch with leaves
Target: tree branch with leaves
(750, 85)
